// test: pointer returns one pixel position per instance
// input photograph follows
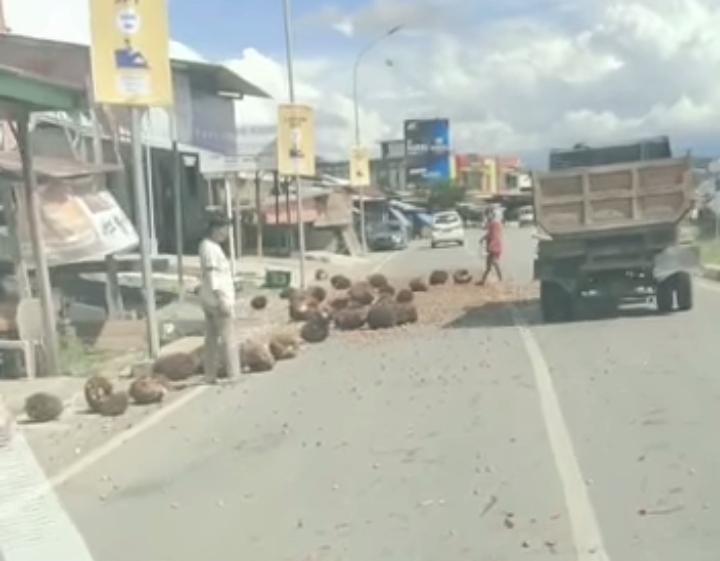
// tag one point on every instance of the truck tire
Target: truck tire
(684, 291)
(555, 302)
(665, 296)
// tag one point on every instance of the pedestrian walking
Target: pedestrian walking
(493, 240)
(218, 301)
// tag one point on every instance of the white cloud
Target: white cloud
(333, 109)
(638, 67)
(543, 73)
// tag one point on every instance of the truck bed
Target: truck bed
(611, 198)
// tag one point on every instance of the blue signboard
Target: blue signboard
(427, 146)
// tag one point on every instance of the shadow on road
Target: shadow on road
(500, 314)
(497, 314)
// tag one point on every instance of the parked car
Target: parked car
(526, 216)
(388, 236)
(447, 228)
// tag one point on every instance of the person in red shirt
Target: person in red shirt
(493, 240)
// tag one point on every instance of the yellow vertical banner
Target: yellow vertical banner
(296, 140)
(130, 52)
(360, 167)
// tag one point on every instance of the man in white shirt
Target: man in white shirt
(218, 300)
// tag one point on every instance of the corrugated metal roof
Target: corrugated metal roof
(55, 168)
(70, 63)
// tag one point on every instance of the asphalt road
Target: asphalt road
(491, 438)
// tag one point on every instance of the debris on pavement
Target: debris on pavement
(259, 303)
(340, 282)
(361, 293)
(177, 366)
(302, 307)
(147, 390)
(660, 512)
(378, 281)
(114, 405)
(405, 296)
(418, 285)
(438, 278)
(351, 318)
(284, 344)
(256, 357)
(97, 389)
(316, 330)
(318, 293)
(462, 276)
(382, 315)
(489, 506)
(407, 313)
(43, 407)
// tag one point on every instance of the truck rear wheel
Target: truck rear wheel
(684, 291)
(556, 303)
(665, 296)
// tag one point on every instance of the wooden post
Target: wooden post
(259, 213)
(276, 189)
(13, 207)
(178, 206)
(291, 240)
(41, 267)
(229, 196)
(238, 218)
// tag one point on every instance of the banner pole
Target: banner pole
(143, 232)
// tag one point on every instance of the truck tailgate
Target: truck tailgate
(605, 198)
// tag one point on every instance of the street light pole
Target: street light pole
(296, 177)
(356, 107)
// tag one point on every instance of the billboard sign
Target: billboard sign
(296, 140)
(360, 167)
(427, 147)
(130, 58)
(77, 224)
(392, 149)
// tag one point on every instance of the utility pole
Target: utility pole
(296, 178)
(143, 231)
(356, 108)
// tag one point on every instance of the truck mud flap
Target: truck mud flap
(675, 259)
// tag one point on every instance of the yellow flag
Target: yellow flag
(130, 58)
(296, 140)
(360, 167)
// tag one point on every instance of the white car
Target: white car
(447, 228)
(526, 216)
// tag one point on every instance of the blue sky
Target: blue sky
(513, 76)
(220, 29)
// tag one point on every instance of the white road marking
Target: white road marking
(385, 260)
(38, 528)
(583, 520)
(117, 441)
(47, 486)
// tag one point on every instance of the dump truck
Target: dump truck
(609, 221)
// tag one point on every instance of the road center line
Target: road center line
(583, 520)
